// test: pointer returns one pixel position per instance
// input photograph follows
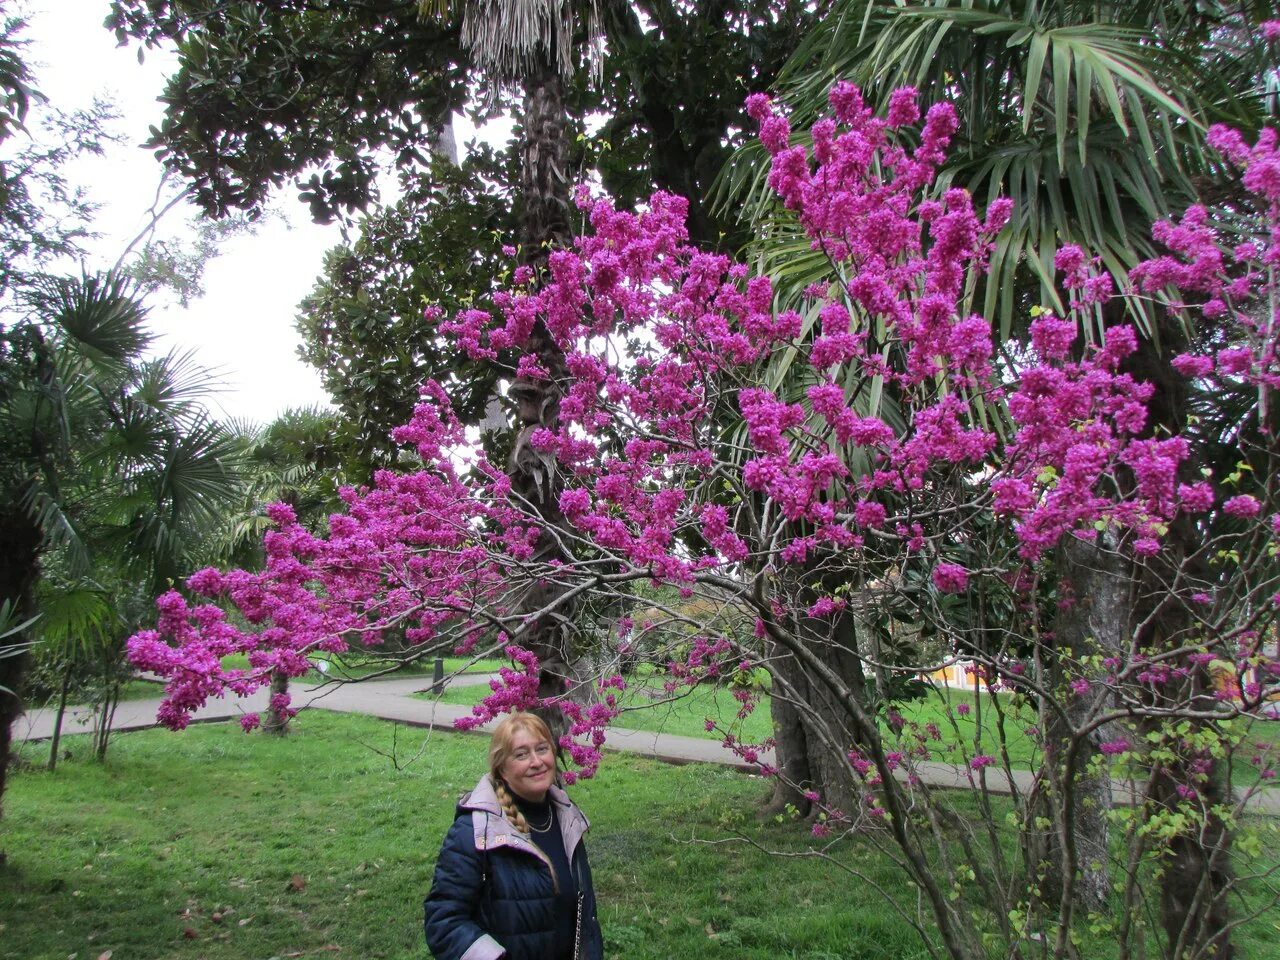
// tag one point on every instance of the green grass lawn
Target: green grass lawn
(684, 713)
(211, 845)
(188, 845)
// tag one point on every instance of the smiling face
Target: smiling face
(530, 768)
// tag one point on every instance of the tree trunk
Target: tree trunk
(545, 210)
(544, 224)
(814, 733)
(12, 671)
(277, 721)
(1096, 621)
(57, 719)
(790, 744)
(1196, 879)
(19, 567)
(107, 715)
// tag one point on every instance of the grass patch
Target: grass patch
(683, 713)
(686, 712)
(968, 722)
(187, 846)
(216, 845)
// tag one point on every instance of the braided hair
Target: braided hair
(509, 805)
(500, 752)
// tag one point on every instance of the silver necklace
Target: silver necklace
(551, 818)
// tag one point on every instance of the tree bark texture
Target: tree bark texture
(1095, 621)
(814, 733)
(545, 218)
(1197, 876)
(277, 721)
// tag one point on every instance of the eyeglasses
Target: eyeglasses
(542, 750)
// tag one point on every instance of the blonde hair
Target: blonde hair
(500, 751)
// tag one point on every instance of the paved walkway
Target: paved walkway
(392, 700)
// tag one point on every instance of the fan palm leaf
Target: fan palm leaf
(1090, 116)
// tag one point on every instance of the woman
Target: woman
(512, 879)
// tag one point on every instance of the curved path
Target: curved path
(392, 700)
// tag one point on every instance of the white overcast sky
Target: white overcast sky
(243, 327)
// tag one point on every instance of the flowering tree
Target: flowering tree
(1016, 506)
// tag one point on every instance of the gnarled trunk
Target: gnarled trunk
(811, 728)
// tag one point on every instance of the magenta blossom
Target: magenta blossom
(950, 578)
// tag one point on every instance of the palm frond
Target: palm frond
(77, 618)
(174, 383)
(100, 315)
(61, 532)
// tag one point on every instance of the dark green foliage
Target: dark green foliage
(675, 83)
(363, 327)
(267, 92)
(295, 459)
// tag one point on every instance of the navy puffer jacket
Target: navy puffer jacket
(494, 891)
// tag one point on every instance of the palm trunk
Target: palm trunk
(544, 165)
(57, 720)
(805, 757)
(1197, 876)
(544, 224)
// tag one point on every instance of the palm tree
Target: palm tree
(113, 471)
(295, 460)
(527, 45)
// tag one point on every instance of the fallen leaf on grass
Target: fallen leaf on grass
(297, 883)
(245, 921)
(189, 933)
(105, 955)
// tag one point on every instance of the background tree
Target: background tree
(294, 459)
(364, 327)
(118, 471)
